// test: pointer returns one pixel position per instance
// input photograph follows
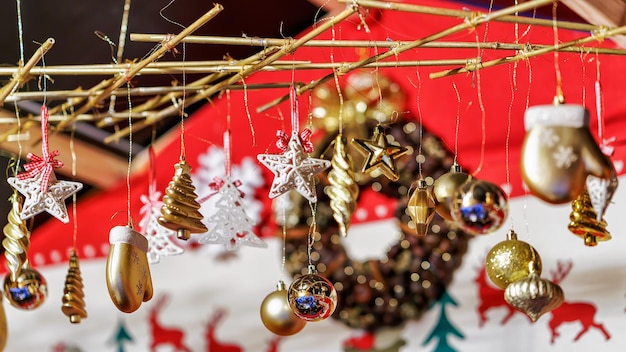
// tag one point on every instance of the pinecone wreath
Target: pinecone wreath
(416, 270)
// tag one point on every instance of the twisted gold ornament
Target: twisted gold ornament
(16, 238)
(584, 222)
(343, 190)
(180, 210)
(73, 302)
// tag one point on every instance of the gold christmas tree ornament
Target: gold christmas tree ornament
(511, 260)
(584, 222)
(380, 154)
(276, 313)
(180, 211)
(421, 207)
(534, 296)
(127, 271)
(73, 296)
(444, 188)
(343, 190)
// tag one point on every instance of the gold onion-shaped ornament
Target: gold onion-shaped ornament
(343, 190)
(534, 296)
(277, 315)
(421, 207)
(73, 296)
(584, 223)
(444, 188)
(180, 210)
(511, 260)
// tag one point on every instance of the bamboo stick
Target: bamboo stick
(468, 14)
(22, 74)
(285, 50)
(470, 23)
(528, 54)
(256, 41)
(133, 69)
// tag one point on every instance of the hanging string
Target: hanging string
(74, 199)
(557, 68)
(483, 121)
(246, 105)
(284, 239)
(20, 30)
(457, 123)
(599, 100)
(421, 123)
(583, 65)
(336, 78)
(130, 156)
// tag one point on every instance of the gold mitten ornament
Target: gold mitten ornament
(559, 153)
(127, 271)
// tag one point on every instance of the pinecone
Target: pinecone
(416, 270)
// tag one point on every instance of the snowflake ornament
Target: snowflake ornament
(294, 169)
(159, 242)
(233, 227)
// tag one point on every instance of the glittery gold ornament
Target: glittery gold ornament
(312, 297)
(127, 272)
(380, 154)
(16, 238)
(479, 207)
(584, 223)
(73, 296)
(511, 260)
(559, 152)
(276, 313)
(534, 296)
(180, 210)
(343, 190)
(28, 290)
(444, 188)
(421, 207)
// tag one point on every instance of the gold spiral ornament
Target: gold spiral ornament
(343, 190)
(73, 296)
(16, 238)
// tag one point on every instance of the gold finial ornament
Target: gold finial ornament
(343, 190)
(73, 296)
(421, 207)
(584, 223)
(511, 260)
(180, 210)
(534, 296)
(16, 238)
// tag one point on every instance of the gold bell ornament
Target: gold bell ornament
(559, 153)
(584, 222)
(444, 188)
(276, 313)
(181, 211)
(511, 260)
(421, 207)
(533, 295)
(73, 296)
(479, 207)
(343, 190)
(127, 270)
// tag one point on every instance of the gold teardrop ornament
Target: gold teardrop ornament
(534, 296)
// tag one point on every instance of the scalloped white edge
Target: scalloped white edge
(566, 115)
(124, 234)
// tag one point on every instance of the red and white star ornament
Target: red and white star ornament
(294, 169)
(39, 185)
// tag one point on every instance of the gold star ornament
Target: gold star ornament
(380, 155)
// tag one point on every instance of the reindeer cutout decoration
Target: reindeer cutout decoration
(490, 297)
(570, 312)
(213, 344)
(162, 336)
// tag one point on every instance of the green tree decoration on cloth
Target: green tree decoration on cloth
(121, 337)
(444, 327)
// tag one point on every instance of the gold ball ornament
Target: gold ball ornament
(444, 188)
(28, 291)
(511, 260)
(534, 296)
(479, 207)
(312, 297)
(276, 313)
